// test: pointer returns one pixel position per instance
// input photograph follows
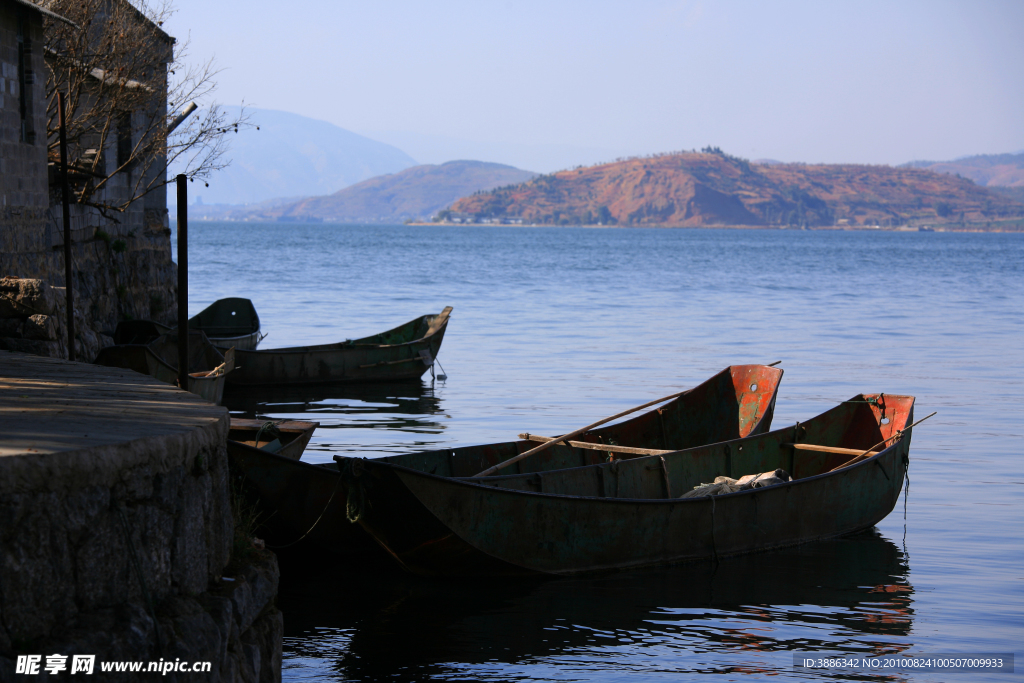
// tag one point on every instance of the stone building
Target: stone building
(121, 262)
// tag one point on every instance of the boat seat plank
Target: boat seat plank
(827, 449)
(598, 446)
(436, 323)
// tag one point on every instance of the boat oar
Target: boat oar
(870, 452)
(572, 435)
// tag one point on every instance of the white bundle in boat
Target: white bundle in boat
(729, 485)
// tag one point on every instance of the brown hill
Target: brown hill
(702, 189)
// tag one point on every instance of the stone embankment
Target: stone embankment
(116, 530)
(33, 319)
(119, 274)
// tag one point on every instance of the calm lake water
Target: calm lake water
(555, 328)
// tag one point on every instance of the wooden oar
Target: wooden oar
(823, 449)
(597, 446)
(870, 452)
(571, 435)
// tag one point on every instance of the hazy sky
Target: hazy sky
(829, 81)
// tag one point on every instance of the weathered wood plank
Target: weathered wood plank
(598, 446)
(825, 449)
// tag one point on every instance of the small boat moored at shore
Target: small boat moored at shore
(287, 438)
(159, 358)
(403, 353)
(229, 322)
(300, 499)
(847, 467)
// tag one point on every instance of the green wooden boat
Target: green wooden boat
(159, 358)
(231, 322)
(628, 514)
(300, 499)
(403, 353)
(227, 323)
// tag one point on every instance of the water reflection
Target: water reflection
(847, 595)
(368, 419)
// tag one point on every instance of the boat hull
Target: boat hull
(229, 323)
(621, 515)
(245, 342)
(345, 362)
(295, 494)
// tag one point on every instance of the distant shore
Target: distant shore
(835, 228)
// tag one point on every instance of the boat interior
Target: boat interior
(412, 331)
(730, 405)
(852, 432)
(252, 433)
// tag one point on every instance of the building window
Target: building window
(26, 79)
(124, 142)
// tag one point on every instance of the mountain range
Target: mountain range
(295, 156)
(713, 188)
(415, 193)
(297, 168)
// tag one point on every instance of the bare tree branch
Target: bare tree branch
(124, 79)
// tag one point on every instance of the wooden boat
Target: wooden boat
(405, 352)
(297, 497)
(228, 323)
(231, 322)
(287, 438)
(628, 514)
(159, 359)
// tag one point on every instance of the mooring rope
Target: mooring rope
(308, 532)
(266, 426)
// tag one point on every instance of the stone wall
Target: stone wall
(121, 264)
(33, 319)
(122, 550)
(121, 271)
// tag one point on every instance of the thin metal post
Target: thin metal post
(65, 192)
(182, 281)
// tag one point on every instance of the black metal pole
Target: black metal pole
(182, 281)
(65, 192)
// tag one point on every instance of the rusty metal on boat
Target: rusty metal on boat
(300, 499)
(402, 353)
(625, 514)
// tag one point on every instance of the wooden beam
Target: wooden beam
(439, 320)
(573, 434)
(826, 449)
(598, 446)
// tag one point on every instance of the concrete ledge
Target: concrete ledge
(73, 425)
(114, 486)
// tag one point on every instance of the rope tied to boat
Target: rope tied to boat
(351, 472)
(271, 428)
(337, 486)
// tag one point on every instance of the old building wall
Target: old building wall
(24, 191)
(121, 262)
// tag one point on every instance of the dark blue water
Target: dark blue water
(555, 328)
